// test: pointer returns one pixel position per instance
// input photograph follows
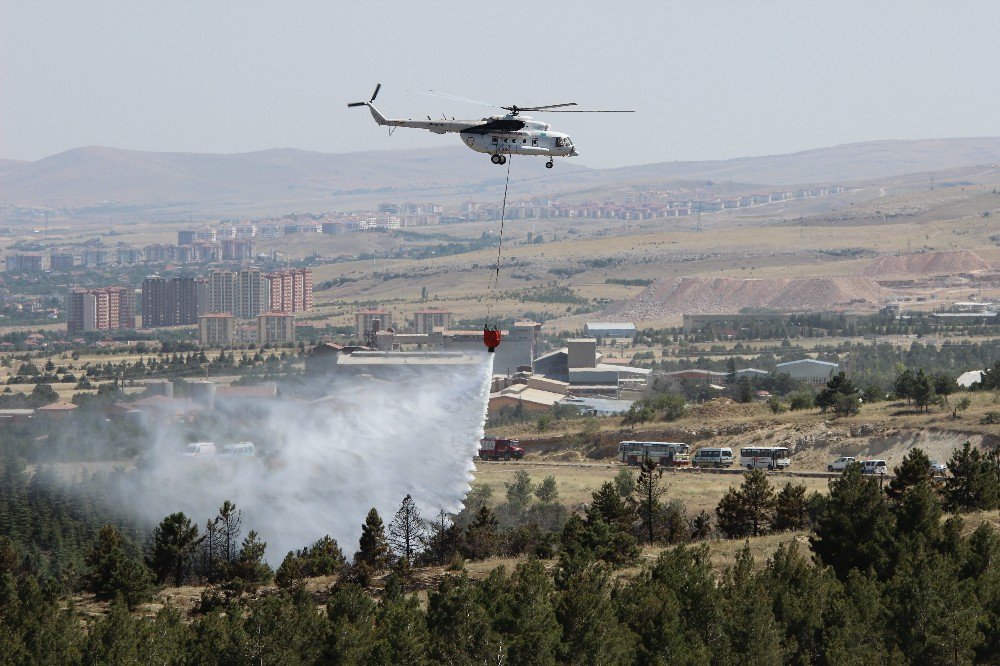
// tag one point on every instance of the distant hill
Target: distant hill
(872, 160)
(286, 179)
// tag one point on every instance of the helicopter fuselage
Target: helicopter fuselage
(535, 138)
(510, 134)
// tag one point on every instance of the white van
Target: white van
(198, 449)
(712, 457)
(877, 467)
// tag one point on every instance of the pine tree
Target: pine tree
(461, 630)
(351, 614)
(918, 515)
(532, 627)
(649, 488)
(113, 572)
(840, 394)
(444, 540)
(923, 390)
(916, 468)
(482, 538)
(519, 493)
(790, 508)
(974, 480)
(401, 635)
(609, 505)
(934, 615)
(802, 594)
(230, 522)
(373, 549)
(547, 491)
(749, 510)
(406, 531)
(854, 525)
(903, 386)
(249, 571)
(591, 633)
(744, 390)
(174, 542)
(748, 621)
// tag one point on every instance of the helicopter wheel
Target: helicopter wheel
(495, 159)
(503, 159)
(549, 164)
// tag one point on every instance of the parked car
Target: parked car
(840, 464)
(877, 467)
(938, 468)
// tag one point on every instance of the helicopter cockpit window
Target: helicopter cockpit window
(559, 142)
(568, 142)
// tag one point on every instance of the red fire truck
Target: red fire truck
(496, 448)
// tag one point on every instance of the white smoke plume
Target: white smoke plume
(322, 464)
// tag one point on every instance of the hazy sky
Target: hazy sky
(708, 79)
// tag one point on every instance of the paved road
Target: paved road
(677, 470)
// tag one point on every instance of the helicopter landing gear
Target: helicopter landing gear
(549, 164)
(498, 159)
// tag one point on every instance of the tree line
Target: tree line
(890, 582)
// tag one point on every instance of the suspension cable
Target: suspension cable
(495, 282)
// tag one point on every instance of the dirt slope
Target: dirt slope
(675, 296)
(927, 263)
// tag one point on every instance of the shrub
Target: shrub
(802, 400)
(777, 407)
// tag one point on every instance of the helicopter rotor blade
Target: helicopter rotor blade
(378, 86)
(454, 98)
(540, 108)
(596, 111)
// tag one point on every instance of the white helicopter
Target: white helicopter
(497, 135)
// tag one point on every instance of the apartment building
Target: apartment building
(169, 302)
(216, 330)
(291, 290)
(275, 328)
(109, 308)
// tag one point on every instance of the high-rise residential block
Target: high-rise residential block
(169, 302)
(237, 249)
(244, 294)
(23, 263)
(291, 290)
(61, 261)
(109, 308)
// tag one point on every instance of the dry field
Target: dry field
(577, 482)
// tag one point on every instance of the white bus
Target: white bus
(239, 450)
(764, 457)
(669, 454)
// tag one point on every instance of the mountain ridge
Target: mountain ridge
(283, 179)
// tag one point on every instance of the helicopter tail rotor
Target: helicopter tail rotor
(378, 86)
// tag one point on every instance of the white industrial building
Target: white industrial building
(809, 370)
(610, 330)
